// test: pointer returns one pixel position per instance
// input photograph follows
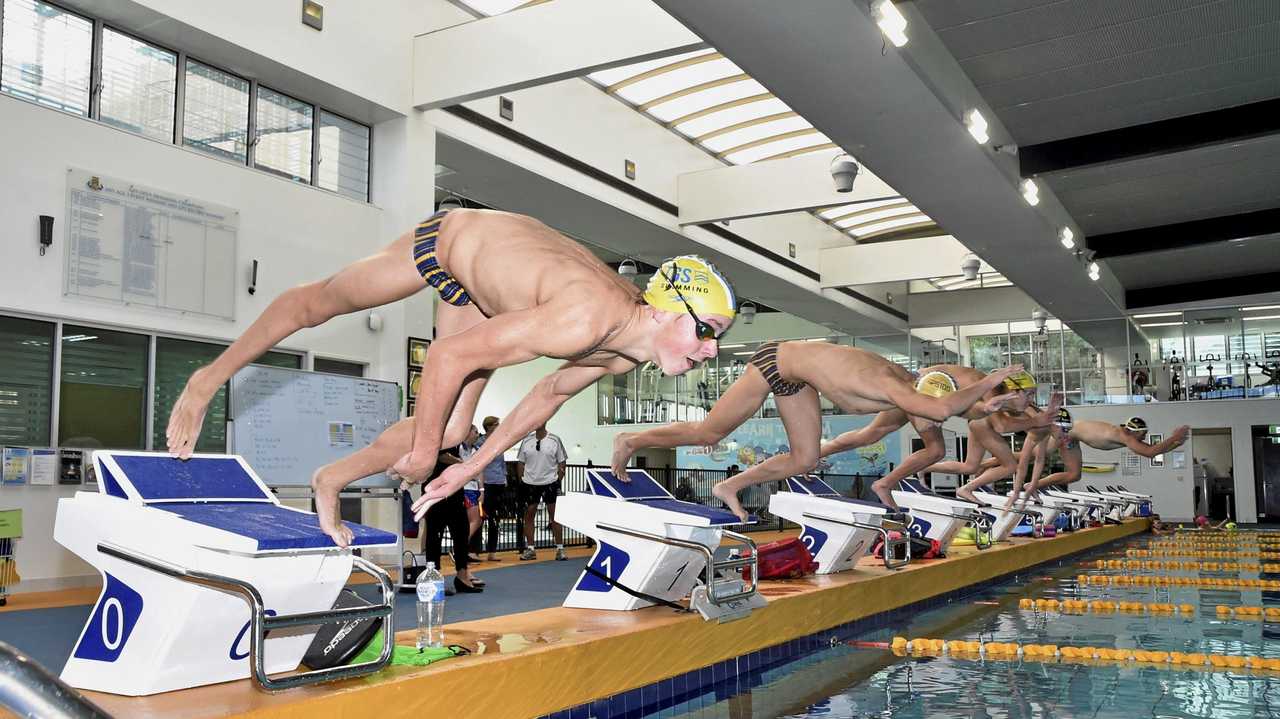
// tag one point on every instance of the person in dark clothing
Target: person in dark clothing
(450, 513)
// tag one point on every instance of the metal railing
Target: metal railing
(29, 690)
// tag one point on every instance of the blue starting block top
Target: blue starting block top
(219, 491)
(816, 487)
(274, 526)
(643, 489)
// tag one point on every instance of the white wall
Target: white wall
(1172, 488)
(1213, 447)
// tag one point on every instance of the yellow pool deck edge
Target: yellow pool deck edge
(538, 662)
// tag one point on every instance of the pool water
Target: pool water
(847, 681)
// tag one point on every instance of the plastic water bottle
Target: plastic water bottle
(430, 608)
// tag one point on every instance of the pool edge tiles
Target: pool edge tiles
(568, 660)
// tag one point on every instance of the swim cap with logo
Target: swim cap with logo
(1136, 424)
(706, 290)
(1063, 419)
(936, 384)
(1018, 381)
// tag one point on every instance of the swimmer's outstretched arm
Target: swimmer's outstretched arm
(1005, 423)
(557, 329)
(532, 412)
(1141, 448)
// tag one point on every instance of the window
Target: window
(139, 86)
(287, 360)
(46, 55)
(333, 366)
(282, 143)
(175, 361)
(26, 381)
(104, 389)
(215, 115)
(344, 156)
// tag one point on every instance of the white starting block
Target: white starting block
(1078, 513)
(652, 548)
(1143, 500)
(1038, 515)
(199, 561)
(838, 530)
(1110, 510)
(1008, 519)
(936, 517)
(1132, 504)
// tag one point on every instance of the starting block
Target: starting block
(1143, 500)
(936, 517)
(199, 561)
(652, 548)
(838, 530)
(1108, 510)
(1008, 519)
(1037, 516)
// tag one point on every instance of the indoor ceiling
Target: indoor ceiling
(1156, 123)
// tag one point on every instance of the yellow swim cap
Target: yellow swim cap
(936, 384)
(1019, 381)
(703, 287)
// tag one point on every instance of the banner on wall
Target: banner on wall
(759, 439)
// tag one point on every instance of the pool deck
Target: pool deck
(539, 662)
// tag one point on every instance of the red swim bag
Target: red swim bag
(783, 559)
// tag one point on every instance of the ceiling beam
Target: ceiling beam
(1184, 234)
(770, 188)
(552, 41)
(1163, 137)
(1203, 290)
(878, 262)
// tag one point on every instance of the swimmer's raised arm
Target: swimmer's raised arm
(565, 327)
(532, 412)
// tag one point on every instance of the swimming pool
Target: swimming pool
(842, 680)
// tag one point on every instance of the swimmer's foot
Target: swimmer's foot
(967, 494)
(885, 494)
(327, 512)
(730, 498)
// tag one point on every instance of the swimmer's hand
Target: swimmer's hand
(1180, 435)
(187, 417)
(994, 404)
(622, 452)
(451, 480)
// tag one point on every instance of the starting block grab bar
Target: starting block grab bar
(712, 566)
(890, 546)
(261, 623)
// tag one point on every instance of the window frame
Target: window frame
(94, 109)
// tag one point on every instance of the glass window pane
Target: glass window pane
(333, 366)
(175, 361)
(26, 381)
(215, 117)
(139, 86)
(104, 389)
(344, 156)
(281, 359)
(283, 135)
(46, 55)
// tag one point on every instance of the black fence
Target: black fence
(691, 485)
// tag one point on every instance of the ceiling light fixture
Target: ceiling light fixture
(891, 22)
(977, 125)
(1151, 315)
(732, 347)
(1094, 271)
(1067, 238)
(1162, 324)
(1256, 308)
(1262, 317)
(1031, 192)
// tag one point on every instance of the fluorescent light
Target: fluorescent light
(977, 125)
(1030, 192)
(79, 338)
(1263, 317)
(744, 353)
(1255, 308)
(1067, 238)
(1162, 324)
(891, 22)
(818, 339)
(1094, 271)
(731, 347)
(1157, 314)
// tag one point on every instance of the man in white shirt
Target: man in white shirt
(540, 464)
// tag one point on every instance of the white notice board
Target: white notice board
(144, 247)
(288, 423)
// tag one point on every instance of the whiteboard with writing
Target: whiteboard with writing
(143, 247)
(288, 423)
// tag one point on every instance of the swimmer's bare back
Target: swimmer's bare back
(510, 262)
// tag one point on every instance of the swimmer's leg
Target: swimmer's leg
(329, 480)
(801, 415)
